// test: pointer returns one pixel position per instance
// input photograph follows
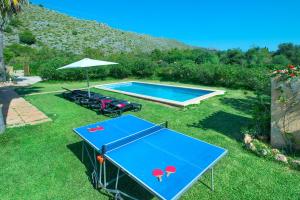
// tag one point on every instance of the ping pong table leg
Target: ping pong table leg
(104, 174)
(82, 151)
(100, 174)
(95, 169)
(96, 174)
(94, 165)
(116, 192)
(117, 180)
(212, 179)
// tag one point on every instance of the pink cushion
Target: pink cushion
(121, 105)
(104, 102)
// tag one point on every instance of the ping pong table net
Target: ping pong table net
(133, 137)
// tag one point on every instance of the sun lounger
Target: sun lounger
(117, 107)
(105, 105)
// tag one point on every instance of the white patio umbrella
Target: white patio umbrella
(86, 63)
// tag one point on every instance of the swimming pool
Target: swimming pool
(170, 94)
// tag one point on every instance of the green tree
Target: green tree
(8, 8)
(8, 54)
(156, 54)
(233, 56)
(144, 68)
(291, 51)
(207, 57)
(258, 56)
(93, 53)
(174, 55)
(280, 60)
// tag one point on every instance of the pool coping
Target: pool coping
(161, 100)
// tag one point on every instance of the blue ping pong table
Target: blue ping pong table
(137, 147)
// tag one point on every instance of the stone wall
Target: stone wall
(291, 90)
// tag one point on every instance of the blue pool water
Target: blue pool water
(159, 91)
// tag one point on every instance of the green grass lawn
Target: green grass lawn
(42, 161)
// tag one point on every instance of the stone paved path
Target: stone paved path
(17, 111)
(27, 80)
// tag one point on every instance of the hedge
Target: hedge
(208, 74)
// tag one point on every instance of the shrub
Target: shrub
(141, 65)
(185, 71)
(144, 68)
(216, 74)
(8, 29)
(93, 53)
(18, 62)
(208, 74)
(98, 72)
(8, 55)
(47, 70)
(74, 32)
(233, 56)
(207, 57)
(15, 22)
(280, 60)
(27, 37)
(261, 114)
(120, 71)
(166, 73)
(21, 50)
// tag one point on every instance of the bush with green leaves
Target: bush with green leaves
(27, 37)
(290, 51)
(15, 22)
(21, 50)
(280, 60)
(144, 68)
(175, 65)
(74, 32)
(8, 55)
(215, 74)
(98, 72)
(207, 57)
(18, 62)
(120, 71)
(166, 73)
(8, 29)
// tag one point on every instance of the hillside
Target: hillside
(63, 32)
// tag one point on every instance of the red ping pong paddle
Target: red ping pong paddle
(170, 170)
(158, 173)
(97, 128)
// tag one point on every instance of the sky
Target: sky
(218, 24)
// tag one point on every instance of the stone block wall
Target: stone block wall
(291, 90)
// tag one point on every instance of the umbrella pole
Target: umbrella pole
(88, 82)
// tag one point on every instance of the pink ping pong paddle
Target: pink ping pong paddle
(158, 173)
(170, 170)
